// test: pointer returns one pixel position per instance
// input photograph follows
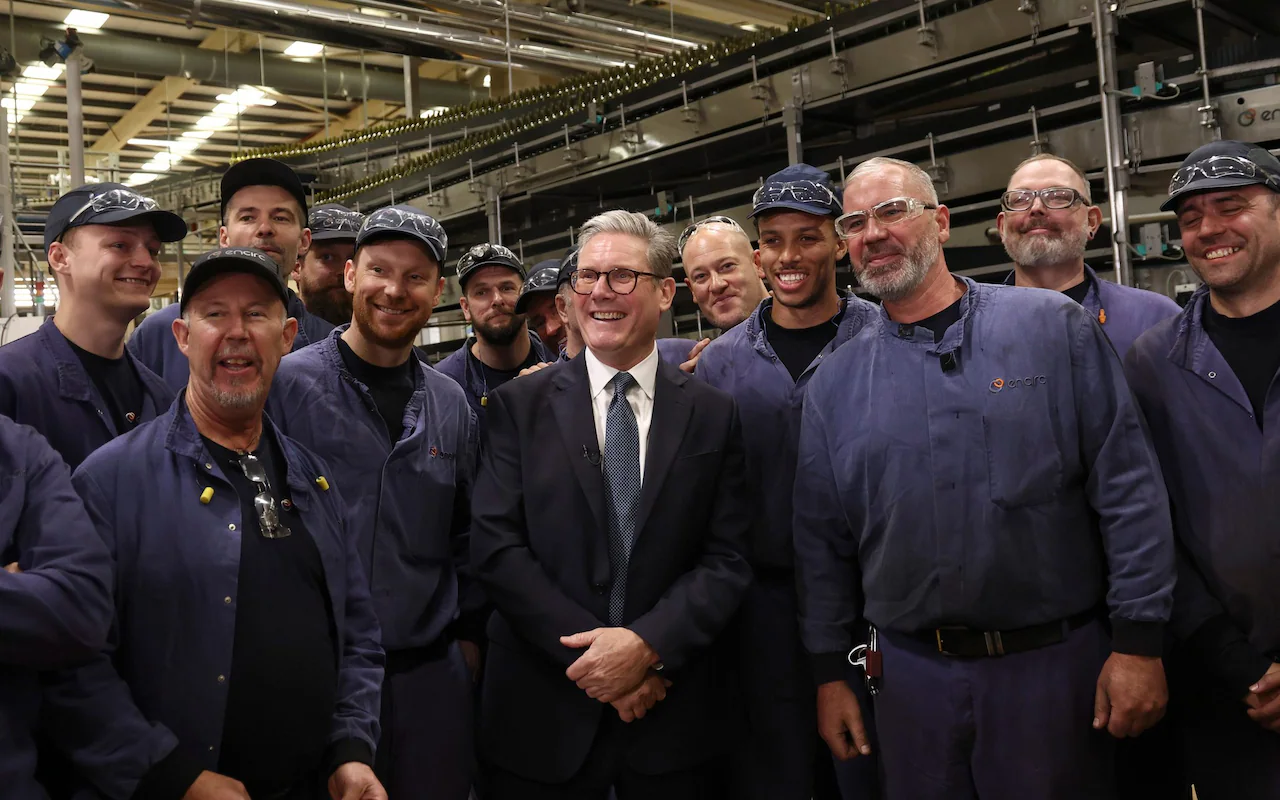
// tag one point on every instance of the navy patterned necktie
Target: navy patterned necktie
(622, 488)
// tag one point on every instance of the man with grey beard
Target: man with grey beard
(243, 659)
(1046, 220)
(975, 480)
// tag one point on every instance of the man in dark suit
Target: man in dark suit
(611, 587)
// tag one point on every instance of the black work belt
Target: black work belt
(404, 660)
(968, 643)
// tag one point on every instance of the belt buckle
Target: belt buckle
(995, 646)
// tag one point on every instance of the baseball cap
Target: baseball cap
(334, 222)
(798, 187)
(544, 279)
(262, 172)
(567, 265)
(1223, 165)
(405, 222)
(486, 255)
(109, 204)
(232, 259)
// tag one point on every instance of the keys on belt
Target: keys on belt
(869, 657)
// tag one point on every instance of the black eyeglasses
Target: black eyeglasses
(620, 280)
(397, 219)
(802, 191)
(1055, 197)
(265, 504)
(692, 229)
(116, 200)
(1220, 167)
(333, 219)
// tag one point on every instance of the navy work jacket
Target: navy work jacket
(468, 372)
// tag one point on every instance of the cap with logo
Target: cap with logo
(333, 222)
(487, 255)
(544, 279)
(109, 204)
(245, 260)
(262, 172)
(1223, 165)
(567, 265)
(798, 187)
(405, 222)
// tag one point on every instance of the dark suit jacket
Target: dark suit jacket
(540, 548)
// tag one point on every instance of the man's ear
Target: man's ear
(182, 333)
(1094, 220)
(59, 258)
(466, 307)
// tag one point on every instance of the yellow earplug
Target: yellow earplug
(322, 483)
(206, 495)
(484, 401)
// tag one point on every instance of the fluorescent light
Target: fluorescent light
(304, 49)
(225, 110)
(198, 134)
(212, 122)
(488, 79)
(139, 178)
(42, 73)
(90, 20)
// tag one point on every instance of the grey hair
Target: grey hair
(923, 183)
(1088, 193)
(660, 244)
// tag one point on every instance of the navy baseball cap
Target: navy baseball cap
(405, 222)
(225, 260)
(262, 172)
(567, 265)
(109, 204)
(1223, 165)
(333, 222)
(799, 187)
(487, 255)
(544, 279)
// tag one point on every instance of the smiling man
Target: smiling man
(244, 657)
(766, 363)
(402, 443)
(975, 480)
(73, 380)
(1206, 381)
(264, 206)
(721, 271)
(320, 271)
(609, 533)
(1046, 221)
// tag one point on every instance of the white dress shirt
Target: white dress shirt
(640, 396)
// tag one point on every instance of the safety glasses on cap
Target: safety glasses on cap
(692, 229)
(483, 253)
(802, 191)
(264, 503)
(890, 212)
(1220, 167)
(335, 219)
(398, 219)
(115, 200)
(1055, 197)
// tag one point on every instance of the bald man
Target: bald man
(722, 271)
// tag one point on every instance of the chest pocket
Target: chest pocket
(425, 487)
(1024, 455)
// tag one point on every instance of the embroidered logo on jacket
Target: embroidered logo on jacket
(1000, 384)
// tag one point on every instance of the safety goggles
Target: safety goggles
(803, 192)
(1055, 197)
(488, 254)
(692, 229)
(620, 280)
(890, 212)
(334, 219)
(115, 200)
(264, 503)
(1220, 167)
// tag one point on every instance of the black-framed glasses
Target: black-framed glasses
(620, 280)
(890, 212)
(802, 191)
(1055, 197)
(264, 503)
(116, 200)
(1220, 167)
(717, 220)
(399, 219)
(335, 219)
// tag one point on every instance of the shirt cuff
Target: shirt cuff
(1137, 638)
(344, 751)
(169, 778)
(1221, 647)
(828, 667)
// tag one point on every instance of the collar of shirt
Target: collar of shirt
(639, 397)
(601, 375)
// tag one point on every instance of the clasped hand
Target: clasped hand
(616, 669)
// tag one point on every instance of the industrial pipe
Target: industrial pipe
(8, 273)
(1113, 135)
(75, 117)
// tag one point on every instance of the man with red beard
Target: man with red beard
(402, 442)
(1046, 220)
(491, 277)
(319, 274)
